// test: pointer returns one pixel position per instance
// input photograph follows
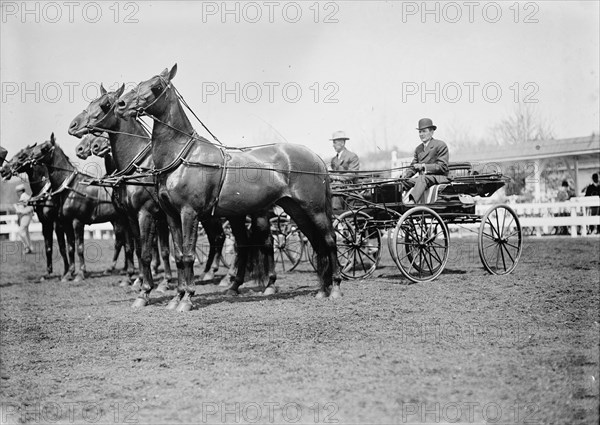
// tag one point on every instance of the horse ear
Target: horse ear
(173, 72)
(102, 90)
(120, 90)
(52, 139)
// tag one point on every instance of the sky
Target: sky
(262, 72)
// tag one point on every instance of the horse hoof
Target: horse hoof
(137, 284)
(184, 306)
(232, 292)
(270, 290)
(78, 279)
(124, 283)
(207, 276)
(162, 287)
(321, 295)
(139, 302)
(225, 281)
(336, 293)
(172, 304)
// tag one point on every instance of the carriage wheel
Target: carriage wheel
(358, 244)
(420, 244)
(500, 240)
(288, 243)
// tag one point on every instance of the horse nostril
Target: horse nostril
(73, 124)
(121, 103)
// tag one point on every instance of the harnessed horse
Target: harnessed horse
(78, 203)
(45, 206)
(198, 179)
(130, 147)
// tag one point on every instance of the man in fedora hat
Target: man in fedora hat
(430, 160)
(344, 160)
(24, 216)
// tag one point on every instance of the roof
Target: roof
(535, 149)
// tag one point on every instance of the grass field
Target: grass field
(466, 348)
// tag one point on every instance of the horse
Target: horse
(130, 145)
(46, 208)
(197, 179)
(139, 203)
(83, 151)
(78, 203)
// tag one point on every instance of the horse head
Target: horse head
(20, 163)
(43, 153)
(147, 97)
(98, 115)
(100, 145)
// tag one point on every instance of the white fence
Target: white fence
(9, 226)
(536, 219)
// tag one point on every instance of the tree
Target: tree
(523, 125)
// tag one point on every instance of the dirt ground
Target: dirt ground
(467, 348)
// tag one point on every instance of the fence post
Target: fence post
(573, 227)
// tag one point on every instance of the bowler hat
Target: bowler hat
(339, 135)
(426, 123)
(20, 187)
(3, 153)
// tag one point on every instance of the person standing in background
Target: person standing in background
(25, 214)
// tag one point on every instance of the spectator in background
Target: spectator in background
(24, 213)
(593, 189)
(565, 192)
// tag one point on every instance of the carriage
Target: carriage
(418, 236)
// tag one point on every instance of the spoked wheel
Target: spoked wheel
(358, 244)
(288, 243)
(500, 240)
(420, 244)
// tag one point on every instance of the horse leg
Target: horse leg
(163, 237)
(155, 264)
(317, 226)
(261, 237)
(78, 230)
(47, 230)
(146, 226)
(119, 242)
(129, 249)
(60, 237)
(189, 225)
(216, 238)
(240, 232)
(174, 221)
(70, 232)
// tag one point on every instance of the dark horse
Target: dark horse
(198, 179)
(79, 203)
(46, 208)
(84, 150)
(130, 146)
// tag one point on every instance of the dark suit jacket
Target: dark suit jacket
(348, 161)
(435, 157)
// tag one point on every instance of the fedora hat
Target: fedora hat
(426, 123)
(3, 153)
(339, 135)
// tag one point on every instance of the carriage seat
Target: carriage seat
(455, 169)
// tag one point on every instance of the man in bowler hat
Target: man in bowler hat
(430, 161)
